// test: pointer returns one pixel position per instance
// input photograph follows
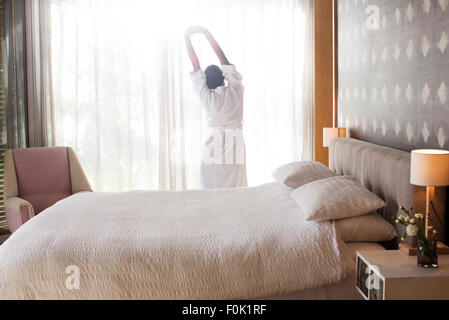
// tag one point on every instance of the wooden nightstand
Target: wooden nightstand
(393, 275)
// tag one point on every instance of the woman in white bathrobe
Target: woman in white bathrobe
(223, 163)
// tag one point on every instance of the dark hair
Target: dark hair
(214, 76)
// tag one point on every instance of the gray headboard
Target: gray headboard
(385, 172)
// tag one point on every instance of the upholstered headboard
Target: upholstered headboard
(385, 172)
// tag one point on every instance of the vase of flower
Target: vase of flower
(424, 235)
(427, 253)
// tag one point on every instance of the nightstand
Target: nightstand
(393, 275)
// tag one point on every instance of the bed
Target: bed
(247, 243)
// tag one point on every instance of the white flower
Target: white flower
(407, 219)
(412, 230)
(419, 216)
(412, 221)
(397, 221)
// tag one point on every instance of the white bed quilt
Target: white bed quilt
(222, 244)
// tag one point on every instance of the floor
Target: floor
(3, 238)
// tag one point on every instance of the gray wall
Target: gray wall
(394, 81)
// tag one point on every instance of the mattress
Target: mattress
(343, 290)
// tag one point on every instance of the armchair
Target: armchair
(36, 178)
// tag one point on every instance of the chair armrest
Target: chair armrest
(18, 211)
(16, 204)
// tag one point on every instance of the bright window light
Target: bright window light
(123, 97)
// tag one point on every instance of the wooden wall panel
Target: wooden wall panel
(323, 113)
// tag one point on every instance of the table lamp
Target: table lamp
(332, 133)
(430, 169)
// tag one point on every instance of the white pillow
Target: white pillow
(335, 198)
(297, 174)
(368, 228)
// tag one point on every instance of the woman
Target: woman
(224, 161)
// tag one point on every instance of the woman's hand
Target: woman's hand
(196, 29)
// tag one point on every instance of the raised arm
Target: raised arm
(191, 51)
(215, 46)
(218, 51)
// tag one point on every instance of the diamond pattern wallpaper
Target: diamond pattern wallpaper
(393, 63)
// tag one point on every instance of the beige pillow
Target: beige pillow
(297, 174)
(335, 198)
(368, 228)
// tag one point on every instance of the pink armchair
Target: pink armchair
(36, 178)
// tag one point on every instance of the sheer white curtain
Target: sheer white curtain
(123, 98)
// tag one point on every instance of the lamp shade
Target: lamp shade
(332, 133)
(430, 168)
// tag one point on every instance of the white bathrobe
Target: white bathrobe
(224, 160)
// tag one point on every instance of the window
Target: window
(123, 98)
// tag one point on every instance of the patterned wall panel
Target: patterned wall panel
(393, 61)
